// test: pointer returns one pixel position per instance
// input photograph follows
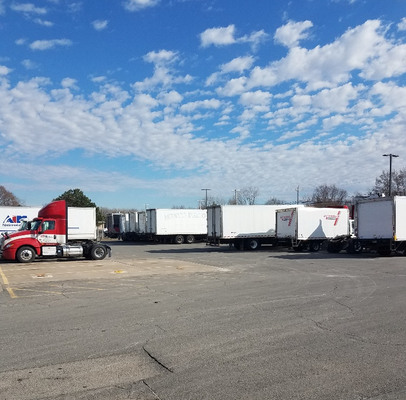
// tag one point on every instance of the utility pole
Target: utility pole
(297, 194)
(206, 195)
(235, 196)
(390, 170)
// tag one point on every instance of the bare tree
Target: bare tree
(274, 201)
(7, 198)
(247, 195)
(328, 195)
(398, 187)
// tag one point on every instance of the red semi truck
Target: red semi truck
(58, 232)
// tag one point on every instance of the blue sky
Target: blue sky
(149, 101)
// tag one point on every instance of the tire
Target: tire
(252, 244)
(25, 254)
(314, 247)
(190, 239)
(354, 247)
(98, 252)
(179, 239)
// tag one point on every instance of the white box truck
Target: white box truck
(308, 227)
(12, 217)
(380, 225)
(176, 225)
(246, 227)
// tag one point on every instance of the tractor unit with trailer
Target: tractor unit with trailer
(57, 232)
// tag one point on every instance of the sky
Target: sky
(144, 103)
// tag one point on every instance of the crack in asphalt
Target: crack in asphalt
(157, 361)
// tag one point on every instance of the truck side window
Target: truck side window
(48, 225)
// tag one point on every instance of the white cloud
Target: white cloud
(218, 36)
(28, 8)
(42, 22)
(251, 99)
(137, 5)
(49, 44)
(99, 25)
(360, 48)
(29, 64)
(207, 104)
(402, 25)
(4, 70)
(160, 57)
(290, 34)
(69, 83)
(2, 8)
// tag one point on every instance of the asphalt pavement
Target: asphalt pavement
(192, 322)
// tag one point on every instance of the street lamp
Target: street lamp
(235, 195)
(390, 170)
(206, 195)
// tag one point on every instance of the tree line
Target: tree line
(322, 195)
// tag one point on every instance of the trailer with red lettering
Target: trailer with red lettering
(308, 227)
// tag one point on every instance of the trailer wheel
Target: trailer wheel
(25, 254)
(190, 239)
(354, 247)
(314, 246)
(252, 244)
(179, 239)
(98, 252)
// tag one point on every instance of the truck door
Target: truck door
(47, 233)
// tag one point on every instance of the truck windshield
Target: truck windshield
(35, 225)
(24, 226)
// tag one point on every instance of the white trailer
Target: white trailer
(128, 226)
(243, 226)
(380, 225)
(308, 227)
(176, 225)
(11, 217)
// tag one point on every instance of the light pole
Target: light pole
(297, 194)
(390, 155)
(206, 195)
(235, 196)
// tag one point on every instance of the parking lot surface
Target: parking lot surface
(159, 321)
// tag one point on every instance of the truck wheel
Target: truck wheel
(354, 247)
(98, 252)
(25, 254)
(179, 239)
(314, 246)
(190, 239)
(252, 244)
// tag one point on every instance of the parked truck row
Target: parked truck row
(59, 231)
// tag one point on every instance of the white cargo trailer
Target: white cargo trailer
(380, 225)
(244, 226)
(11, 217)
(308, 227)
(128, 226)
(176, 225)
